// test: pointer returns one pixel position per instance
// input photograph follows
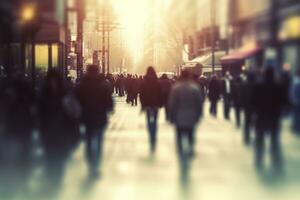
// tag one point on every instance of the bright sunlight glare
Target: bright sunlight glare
(135, 17)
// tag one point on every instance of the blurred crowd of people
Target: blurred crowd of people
(259, 100)
(60, 108)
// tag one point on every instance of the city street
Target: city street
(222, 168)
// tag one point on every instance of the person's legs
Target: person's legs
(276, 146)
(226, 106)
(238, 115)
(191, 139)
(179, 133)
(94, 147)
(166, 113)
(213, 108)
(259, 145)
(152, 126)
(247, 121)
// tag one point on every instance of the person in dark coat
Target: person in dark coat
(165, 84)
(95, 97)
(268, 103)
(227, 94)
(248, 88)
(59, 127)
(214, 92)
(151, 101)
(237, 98)
(135, 90)
(17, 100)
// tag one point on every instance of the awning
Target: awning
(240, 56)
(206, 59)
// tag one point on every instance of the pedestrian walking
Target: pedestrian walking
(268, 101)
(185, 109)
(247, 96)
(94, 93)
(237, 99)
(165, 84)
(227, 94)
(214, 91)
(151, 101)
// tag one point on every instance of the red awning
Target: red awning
(240, 56)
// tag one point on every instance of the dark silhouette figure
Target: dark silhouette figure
(248, 89)
(214, 91)
(135, 91)
(165, 84)
(95, 97)
(120, 84)
(17, 101)
(59, 127)
(151, 101)
(237, 99)
(268, 101)
(227, 94)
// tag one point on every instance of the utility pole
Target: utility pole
(107, 25)
(80, 18)
(103, 40)
(213, 42)
(108, 45)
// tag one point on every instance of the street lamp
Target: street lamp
(28, 13)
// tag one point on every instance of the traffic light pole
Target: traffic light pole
(103, 41)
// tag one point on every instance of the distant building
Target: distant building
(267, 31)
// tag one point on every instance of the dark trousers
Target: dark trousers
(213, 108)
(248, 123)
(237, 111)
(296, 119)
(182, 133)
(264, 126)
(94, 146)
(226, 106)
(151, 114)
(134, 100)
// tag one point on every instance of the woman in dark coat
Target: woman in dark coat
(151, 101)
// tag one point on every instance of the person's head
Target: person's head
(92, 70)
(185, 75)
(151, 73)
(164, 77)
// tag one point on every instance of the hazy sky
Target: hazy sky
(134, 18)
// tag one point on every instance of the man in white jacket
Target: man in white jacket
(185, 109)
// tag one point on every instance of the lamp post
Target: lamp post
(213, 42)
